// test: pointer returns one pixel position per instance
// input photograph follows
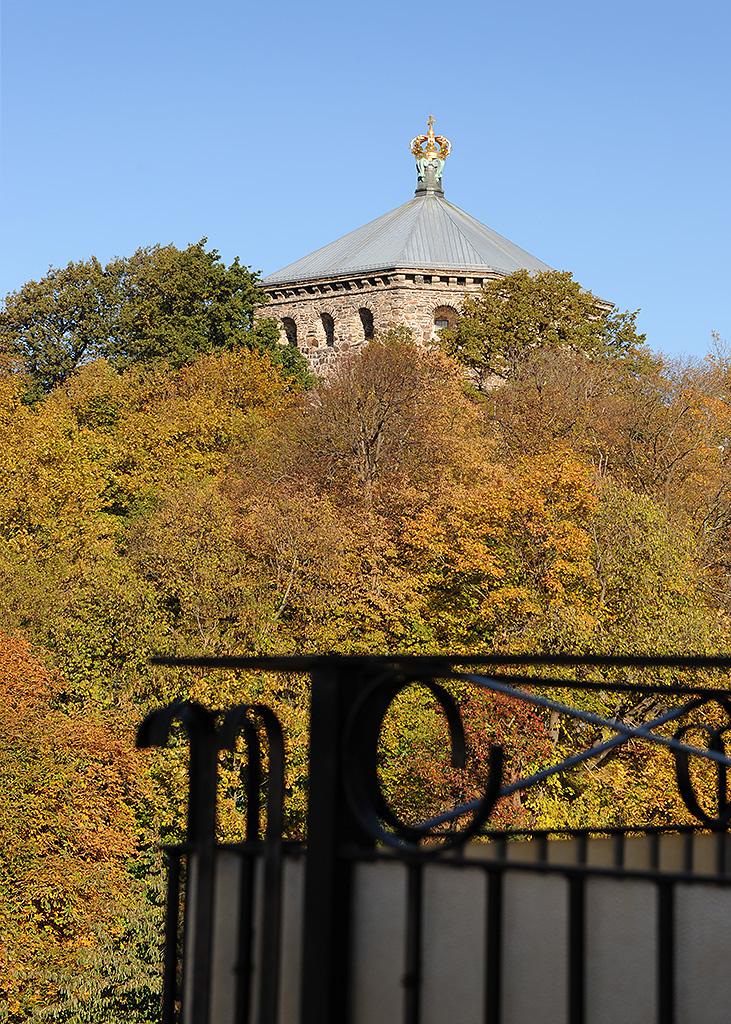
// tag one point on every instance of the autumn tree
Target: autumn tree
(69, 783)
(217, 506)
(389, 412)
(662, 432)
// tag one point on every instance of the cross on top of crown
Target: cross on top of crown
(431, 146)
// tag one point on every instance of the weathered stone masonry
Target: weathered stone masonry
(415, 299)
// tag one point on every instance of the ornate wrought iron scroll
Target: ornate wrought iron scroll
(687, 789)
(209, 733)
(350, 821)
(362, 785)
(384, 678)
(714, 751)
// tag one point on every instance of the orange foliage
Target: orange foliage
(67, 782)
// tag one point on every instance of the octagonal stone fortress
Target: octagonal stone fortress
(412, 266)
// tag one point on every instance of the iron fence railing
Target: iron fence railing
(351, 823)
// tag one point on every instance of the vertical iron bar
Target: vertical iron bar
(619, 850)
(246, 938)
(543, 847)
(414, 920)
(493, 946)
(688, 851)
(721, 852)
(172, 951)
(251, 777)
(202, 871)
(239, 721)
(666, 953)
(576, 978)
(154, 731)
(583, 848)
(202, 867)
(271, 926)
(318, 978)
(331, 825)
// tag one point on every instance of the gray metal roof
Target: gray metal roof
(427, 232)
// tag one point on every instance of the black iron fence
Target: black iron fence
(342, 929)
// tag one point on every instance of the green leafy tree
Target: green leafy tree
(515, 315)
(175, 304)
(264, 338)
(160, 304)
(52, 326)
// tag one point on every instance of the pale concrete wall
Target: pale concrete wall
(621, 939)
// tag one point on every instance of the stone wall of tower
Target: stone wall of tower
(393, 298)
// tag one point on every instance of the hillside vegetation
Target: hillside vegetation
(171, 480)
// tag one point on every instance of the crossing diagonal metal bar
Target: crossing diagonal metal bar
(350, 824)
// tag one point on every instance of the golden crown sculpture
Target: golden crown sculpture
(431, 146)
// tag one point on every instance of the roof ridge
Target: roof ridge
(496, 238)
(423, 199)
(462, 233)
(448, 206)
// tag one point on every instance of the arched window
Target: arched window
(290, 329)
(444, 317)
(366, 318)
(328, 326)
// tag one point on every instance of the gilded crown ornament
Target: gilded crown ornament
(437, 146)
(430, 151)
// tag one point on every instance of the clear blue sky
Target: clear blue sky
(595, 135)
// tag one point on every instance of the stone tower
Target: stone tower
(412, 266)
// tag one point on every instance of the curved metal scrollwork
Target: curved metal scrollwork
(241, 721)
(200, 725)
(687, 789)
(207, 739)
(362, 785)
(208, 735)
